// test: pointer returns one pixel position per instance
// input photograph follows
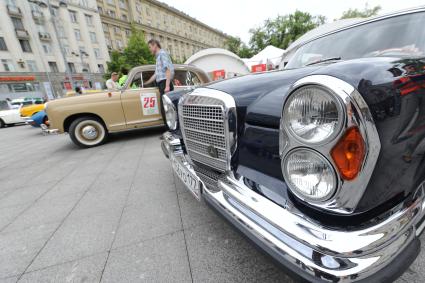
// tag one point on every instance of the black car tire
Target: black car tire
(88, 132)
(2, 124)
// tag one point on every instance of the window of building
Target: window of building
(32, 66)
(71, 67)
(3, 46)
(123, 4)
(112, 2)
(89, 20)
(127, 32)
(97, 52)
(55, 11)
(93, 37)
(101, 68)
(66, 50)
(84, 3)
(77, 34)
(25, 45)
(117, 29)
(105, 27)
(47, 48)
(73, 16)
(53, 67)
(124, 17)
(8, 65)
(148, 11)
(112, 13)
(17, 23)
(100, 9)
(119, 43)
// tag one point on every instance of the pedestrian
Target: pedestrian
(124, 77)
(78, 90)
(164, 71)
(112, 84)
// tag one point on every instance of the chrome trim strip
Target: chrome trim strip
(357, 113)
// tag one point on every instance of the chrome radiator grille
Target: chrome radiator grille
(204, 124)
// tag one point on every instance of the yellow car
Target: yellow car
(28, 111)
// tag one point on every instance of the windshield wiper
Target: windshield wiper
(324, 60)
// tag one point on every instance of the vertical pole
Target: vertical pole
(61, 48)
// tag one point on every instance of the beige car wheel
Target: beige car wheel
(88, 132)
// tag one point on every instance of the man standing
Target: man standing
(164, 71)
(112, 84)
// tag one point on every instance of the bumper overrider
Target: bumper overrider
(47, 131)
(378, 253)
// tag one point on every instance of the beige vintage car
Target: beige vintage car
(90, 118)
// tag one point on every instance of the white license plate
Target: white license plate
(188, 178)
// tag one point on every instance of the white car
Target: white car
(9, 115)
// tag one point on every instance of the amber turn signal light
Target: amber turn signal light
(348, 154)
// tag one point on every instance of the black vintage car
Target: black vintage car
(321, 164)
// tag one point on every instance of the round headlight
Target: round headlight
(309, 175)
(313, 115)
(170, 112)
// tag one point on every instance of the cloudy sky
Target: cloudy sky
(236, 17)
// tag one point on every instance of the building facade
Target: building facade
(179, 33)
(47, 47)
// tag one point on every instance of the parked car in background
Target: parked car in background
(26, 101)
(29, 110)
(322, 165)
(9, 115)
(90, 118)
(38, 120)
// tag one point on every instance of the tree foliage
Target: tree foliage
(283, 30)
(365, 13)
(135, 54)
(235, 45)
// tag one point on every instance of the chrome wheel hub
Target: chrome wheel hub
(89, 132)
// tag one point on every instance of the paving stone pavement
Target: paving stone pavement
(115, 213)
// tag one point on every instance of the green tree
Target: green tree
(135, 54)
(235, 45)
(283, 30)
(365, 13)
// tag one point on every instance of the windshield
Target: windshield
(4, 105)
(399, 36)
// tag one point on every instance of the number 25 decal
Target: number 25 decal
(149, 102)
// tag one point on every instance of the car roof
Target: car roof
(366, 21)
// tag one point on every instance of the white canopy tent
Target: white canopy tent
(214, 59)
(270, 55)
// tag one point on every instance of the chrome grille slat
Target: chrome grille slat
(204, 120)
(204, 127)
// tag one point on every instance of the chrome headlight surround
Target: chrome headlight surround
(170, 112)
(356, 113)
(311, 92)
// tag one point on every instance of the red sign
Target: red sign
(219, 75)
(17, 79)
(259, 68)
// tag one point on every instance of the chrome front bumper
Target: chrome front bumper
(380, 252)
(46, 131)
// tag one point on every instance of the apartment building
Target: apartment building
(179, 33)
(46, 45)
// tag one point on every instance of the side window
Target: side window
(136, 82)
(146, 76)
(186, 78)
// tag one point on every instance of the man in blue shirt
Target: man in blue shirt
(164, 70)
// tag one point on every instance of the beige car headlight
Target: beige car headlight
(170, 112)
